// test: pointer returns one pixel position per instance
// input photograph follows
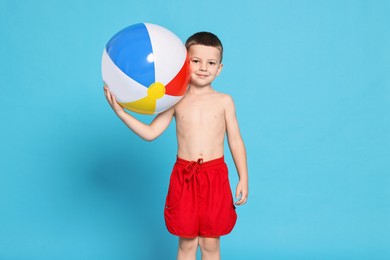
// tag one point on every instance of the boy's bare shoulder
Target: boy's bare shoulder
(222, 95)
(224, 98)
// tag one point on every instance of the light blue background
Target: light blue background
(310, 80)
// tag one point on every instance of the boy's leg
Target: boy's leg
(187, 248)
(210, 248)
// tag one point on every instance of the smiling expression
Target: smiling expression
(205, 64)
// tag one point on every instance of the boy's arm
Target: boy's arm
(146, 132)
(237, 149)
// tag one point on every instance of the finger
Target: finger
(110, 97)
(238, 192)
(106, 91)
(113, 99)
(242, 201)
(238, 196)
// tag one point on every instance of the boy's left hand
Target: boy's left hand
(241, 193)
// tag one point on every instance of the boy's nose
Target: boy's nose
(203, 67)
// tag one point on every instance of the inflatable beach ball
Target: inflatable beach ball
(146, 68)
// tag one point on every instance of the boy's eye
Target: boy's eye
(212, 63)
(195, 61)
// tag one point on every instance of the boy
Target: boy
(199, 206)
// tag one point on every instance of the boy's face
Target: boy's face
(205, 64)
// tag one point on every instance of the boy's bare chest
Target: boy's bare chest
(199, 111)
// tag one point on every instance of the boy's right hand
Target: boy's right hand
(112, 101)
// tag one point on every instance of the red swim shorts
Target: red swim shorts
(199, 200)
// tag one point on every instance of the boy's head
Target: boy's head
(206, 39)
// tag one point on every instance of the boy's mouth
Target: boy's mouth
(201, 75)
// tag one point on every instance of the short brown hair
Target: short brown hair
(206, 39)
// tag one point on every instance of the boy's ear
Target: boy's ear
(219, 69)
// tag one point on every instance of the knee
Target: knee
(209, 245)
(188, 245)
